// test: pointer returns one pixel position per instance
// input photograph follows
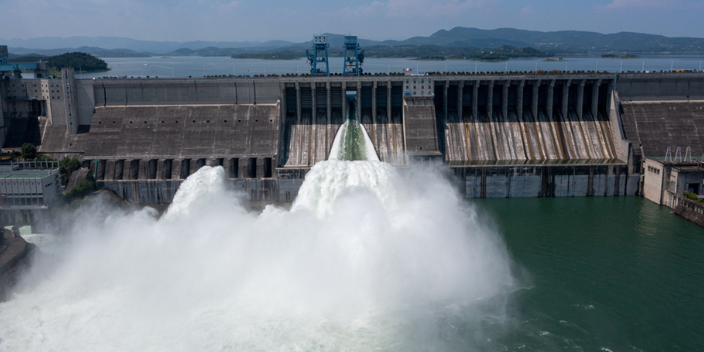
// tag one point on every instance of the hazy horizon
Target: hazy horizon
(226, 20)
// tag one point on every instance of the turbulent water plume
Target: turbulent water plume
(369, 257)
(352, 143)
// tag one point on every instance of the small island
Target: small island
(614, 56)
(268, 56)
(434, 53)
(81, 62)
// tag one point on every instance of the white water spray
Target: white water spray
(352, 135)
(368, 258)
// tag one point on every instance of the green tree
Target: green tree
(29, 151)
(79, 61)
(66, 167)
(81, 190)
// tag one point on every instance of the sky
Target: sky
(261, 20)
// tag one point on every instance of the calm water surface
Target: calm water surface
(196, 66)
(610, 274)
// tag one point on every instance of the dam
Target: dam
(509, 134)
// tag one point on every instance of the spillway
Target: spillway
(352, 141)
(499, 138)
(367, 258)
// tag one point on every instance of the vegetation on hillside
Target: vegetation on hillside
(79, 61)
(693, 196)
(418, 52)
(81, 190)
(66, 167)
(281, 55)
(615, 56)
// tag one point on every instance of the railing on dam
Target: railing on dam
(686, 208)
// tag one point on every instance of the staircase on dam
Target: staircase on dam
(655, 126)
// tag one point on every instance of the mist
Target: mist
(369, 257)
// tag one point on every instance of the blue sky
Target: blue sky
(260, 20)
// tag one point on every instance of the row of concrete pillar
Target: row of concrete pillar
(176, 169)
(534, 104)
(328, 95)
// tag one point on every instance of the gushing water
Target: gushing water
(352, 141)
(368, 258)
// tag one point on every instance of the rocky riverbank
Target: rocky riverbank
(15, 255)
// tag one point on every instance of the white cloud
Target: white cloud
(527, 11)
(415, 8)
(220, 5)
(623, 4)
(371, 9)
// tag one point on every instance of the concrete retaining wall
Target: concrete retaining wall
(547, 181)
(661, 86)
(685, 208)
(163, 191)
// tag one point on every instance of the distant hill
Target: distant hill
(143, 46)
(561, 42)
(99, 52)
(209, 51)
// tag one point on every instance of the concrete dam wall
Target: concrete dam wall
(503, 135)
(661, 111)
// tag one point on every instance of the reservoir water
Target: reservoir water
(197, 66)
(604, 274)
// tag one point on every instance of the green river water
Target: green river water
(601, 274)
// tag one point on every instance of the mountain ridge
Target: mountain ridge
(562, 42)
